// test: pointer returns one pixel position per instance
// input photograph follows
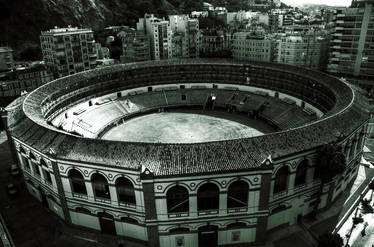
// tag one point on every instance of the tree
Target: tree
(330, 240)
(330, 162)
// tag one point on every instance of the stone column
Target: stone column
(291, 182)
(90, 192)
(222, 203)
(113, 195)
(193, 205)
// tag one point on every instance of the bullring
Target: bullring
(226, 192)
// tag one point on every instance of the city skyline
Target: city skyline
(330, 2)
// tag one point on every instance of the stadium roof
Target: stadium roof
(28, 125)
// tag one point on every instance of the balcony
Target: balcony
(208, 212)
(80, 196)
(237, 210)
(280, 194)
(127, 205)
(178, 215)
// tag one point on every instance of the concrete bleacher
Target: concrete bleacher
(89, 121)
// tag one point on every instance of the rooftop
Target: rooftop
(27, 124)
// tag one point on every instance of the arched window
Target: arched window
(100, 186)
(129, 220)
(82, 210)
(301, 173)
(177, 199)
(208, 197)
(42, 162)
(77, 182)
(22, 150)
(179, 230)
(237, 195)
(281, 179)
(32, 156)
(236, 225)
(125, 190)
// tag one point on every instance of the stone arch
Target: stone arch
(201, 183)
(177, 199)
(287, 164)
(177, 184)
(119, 175)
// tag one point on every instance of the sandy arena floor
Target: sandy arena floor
(186, 127)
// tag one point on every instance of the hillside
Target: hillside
(22, 20)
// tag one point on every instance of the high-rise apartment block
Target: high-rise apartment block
(68, 50)
(6, 58)
(160, 36)
(253, 46)
(352, 43)
(301, 50)
(186, 38)
(135, 46)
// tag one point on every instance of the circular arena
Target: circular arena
(187, 152)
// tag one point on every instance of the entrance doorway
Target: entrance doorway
(107, 224)
(208, 236)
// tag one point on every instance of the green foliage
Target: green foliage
(211, 22)
(331, 162)
(330, 240)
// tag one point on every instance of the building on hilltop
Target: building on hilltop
(68, 50)
(352, 44)
(253, 46)
(6, 59)
(160, 35)
(135, 46)
(186, 36)
(21, 79)
(215, 43)
(301, 50)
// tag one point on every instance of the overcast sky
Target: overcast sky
(327, 2)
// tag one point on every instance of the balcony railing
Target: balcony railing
(208, 212)
(177, 215)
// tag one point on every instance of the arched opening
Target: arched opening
(100, 186)
(177, 199)
(236, 225)
(77, 182)
(179, 230)
(22, 150)
(208, 236)
(125, 190)
(237, 195)
(281, 180)
(82, 210)
(107, 224)
(42, 162)
(129, 220)
(208, 197)
(32, 156)
(301, 173)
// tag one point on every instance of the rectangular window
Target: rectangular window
(47, 176)
(36, 169)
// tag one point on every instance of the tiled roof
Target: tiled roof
(177, 159)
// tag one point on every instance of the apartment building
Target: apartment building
(160, 35)
(186, 38)
(68, 50)
(135, 47)
(352, 43)
(6, 58)
(253, 46)
(301, 50)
